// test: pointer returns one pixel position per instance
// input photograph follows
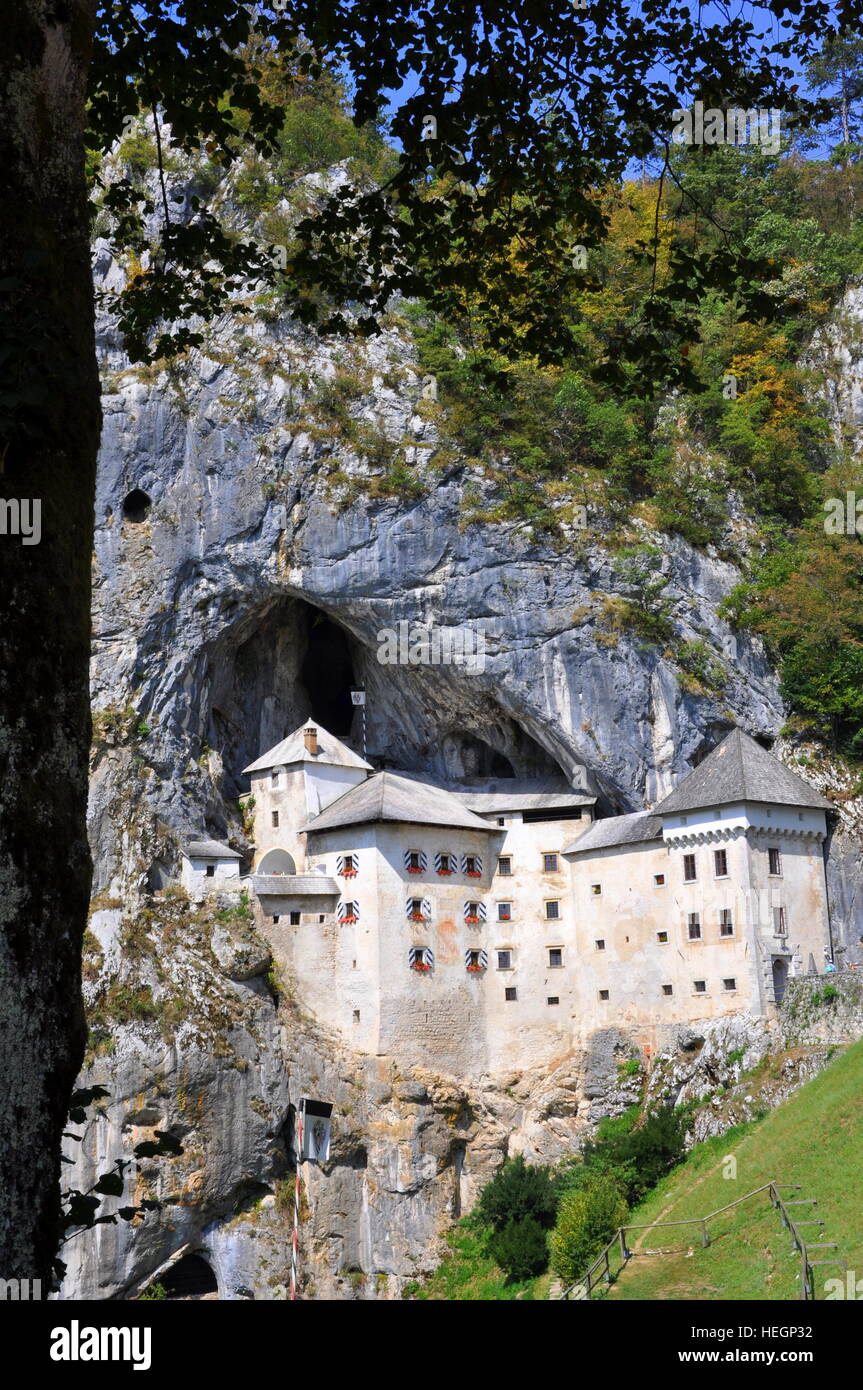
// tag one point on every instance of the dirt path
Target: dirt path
(673, 1202)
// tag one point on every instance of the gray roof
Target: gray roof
(295, 885)
(739, 769)
(518, 794)
(617, 830)
(209, 849)
(389, 796)
(293, 750)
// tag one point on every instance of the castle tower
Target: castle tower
(291, 783)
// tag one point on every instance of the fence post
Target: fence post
(623, 1251)
(607, 1267)
(705, 1237)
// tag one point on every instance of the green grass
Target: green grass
(469, 1274)
(814, 1139)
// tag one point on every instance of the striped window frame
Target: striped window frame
(475, 961)
(422, 857)
(475, 872)
(425, 909)
(348, 912)
(480, 912)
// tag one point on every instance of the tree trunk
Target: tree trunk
(49, 432)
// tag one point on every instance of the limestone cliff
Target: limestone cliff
(249, 552)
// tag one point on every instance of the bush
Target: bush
(518, 1191)
(521, 1249)
(588, 1218)
(635, 1157)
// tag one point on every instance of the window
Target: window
(413, 863)
(275, 820)
(473, 913)
(549, 863)
(603, 994)
(504, 960)
(211, 871)
(555, 957)
(501, 821)
(700, 986)
(599, 944)
(720, 863)
(504, 912)
(553, 999)
(689, 874)
(475, 962)
(729, 985)
(510, 993)
(726, 922)
(552, 911)
(294, 919)
(420, 958)
(662, 937)
(780, 925)
(596, 889)
(668, 989)
(348, 912)
(321, 917)
(356, 1015)
(504, 866)
(659, 880)
(774, 862)
(445, 863)
(415, 909)
(472, 865)
(693, 926)
(347, 865)
(274, 779)
(275, 919)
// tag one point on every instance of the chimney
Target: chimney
(310, 738)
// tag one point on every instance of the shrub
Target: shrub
(521, 1249)
(829, 993)
(588, 1218)
(635, 1157)
(518, 1191)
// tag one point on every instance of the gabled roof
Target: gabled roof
(388, 796)
(292, 749)
(209, 849)
(617, 830)
(739, 769)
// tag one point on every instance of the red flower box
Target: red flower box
(475, 969)
(471, 919)
(350, 918)
(474, 873)
(349, 873)
(420, 965)
(417, 870)
(446, 872)
(417, 917)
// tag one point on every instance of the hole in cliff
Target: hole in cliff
(136, 506)
(328, 674)
(191, 1277)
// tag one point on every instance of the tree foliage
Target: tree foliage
(588, 1218)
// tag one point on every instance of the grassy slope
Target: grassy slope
(470, 1275)
(814, 1139)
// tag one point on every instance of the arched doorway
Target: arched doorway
(276, 861)
(780, 978)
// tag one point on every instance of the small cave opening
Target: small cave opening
(191, 1277)
(327, 672)
(136, 506)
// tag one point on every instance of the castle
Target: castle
(493, 925)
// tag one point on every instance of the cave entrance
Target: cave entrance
(191, 1277)
(327, 673)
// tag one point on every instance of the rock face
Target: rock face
(247, 561)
